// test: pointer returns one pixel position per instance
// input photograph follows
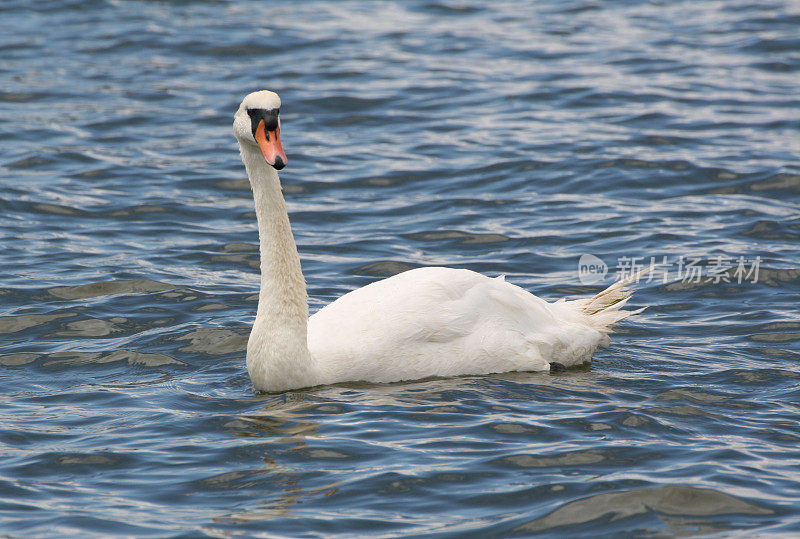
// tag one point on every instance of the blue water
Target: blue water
(507, 137)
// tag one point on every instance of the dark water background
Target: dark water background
(505, 137)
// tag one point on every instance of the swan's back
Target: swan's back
(443, 322)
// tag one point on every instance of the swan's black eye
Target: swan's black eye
(270, 118)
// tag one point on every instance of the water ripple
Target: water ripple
(508, 138)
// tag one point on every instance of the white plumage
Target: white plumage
(431, 321)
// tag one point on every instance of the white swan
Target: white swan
(431, 321)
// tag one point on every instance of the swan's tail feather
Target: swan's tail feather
(605, 309)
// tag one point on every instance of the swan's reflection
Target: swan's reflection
(294, 429)
(278, 423)
(283, 424)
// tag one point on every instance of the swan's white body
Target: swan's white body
(425, 322)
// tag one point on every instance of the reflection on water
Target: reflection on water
(281, 428)
(506, 137)
(108, 288)
(665, 502)
(131, 357)
(281, 424)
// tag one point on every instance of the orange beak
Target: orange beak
(270, 144)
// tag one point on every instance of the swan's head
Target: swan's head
(258, 123)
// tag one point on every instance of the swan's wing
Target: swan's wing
(442, 322)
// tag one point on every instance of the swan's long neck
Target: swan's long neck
(277, 351)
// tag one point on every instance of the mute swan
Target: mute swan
(424, 322)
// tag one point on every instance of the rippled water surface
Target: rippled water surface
(505, 137)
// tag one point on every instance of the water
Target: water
(508, 137)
